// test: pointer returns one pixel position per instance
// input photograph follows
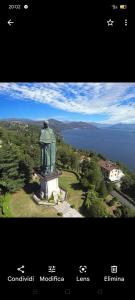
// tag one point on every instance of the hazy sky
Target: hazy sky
(94, 102)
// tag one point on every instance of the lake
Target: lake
(113, 144)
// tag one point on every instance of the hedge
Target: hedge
(72, 171)
(5, 207)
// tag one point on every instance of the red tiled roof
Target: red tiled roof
(107, 165)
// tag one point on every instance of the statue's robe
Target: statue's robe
(48, 150)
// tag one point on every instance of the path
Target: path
(67, 210)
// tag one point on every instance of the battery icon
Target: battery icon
(123, 6)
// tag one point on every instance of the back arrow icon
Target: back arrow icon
(10, 22)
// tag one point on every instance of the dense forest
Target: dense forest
(20, 156)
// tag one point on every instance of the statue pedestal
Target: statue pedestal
(49, 187)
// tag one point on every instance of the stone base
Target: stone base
(42, 202)
(49, 188)
(58, 199)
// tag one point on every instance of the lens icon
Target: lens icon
(26, 6)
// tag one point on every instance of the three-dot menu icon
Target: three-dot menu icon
(126, 22)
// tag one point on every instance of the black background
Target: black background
(66, 42)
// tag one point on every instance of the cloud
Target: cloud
(115, 100)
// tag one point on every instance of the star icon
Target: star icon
(110, 22)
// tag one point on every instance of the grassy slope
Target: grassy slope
(69, 181)
(22, 205)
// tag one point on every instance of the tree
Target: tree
(94, 206)
(95, 175)
(36, 156)
(98, 209)
(85, 166)
(101, 156)
(91, 196)
(123, 167)
(11, 179)
(26, 170)
(109, 186)
(63, 155)
(124, 211)
(74, 160)
(91, 174)
(85, 183)
(128, 185)
(102, 189)
(3, 134)
(67, 157)
(93, 154)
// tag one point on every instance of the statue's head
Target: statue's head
(46, 124)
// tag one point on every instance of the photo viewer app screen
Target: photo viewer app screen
(67, 169)
(67, 150)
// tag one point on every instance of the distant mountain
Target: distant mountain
(70, 125)
(98, 125)
(15, 120)
(64, 125)
(54, 124)
(122, 126)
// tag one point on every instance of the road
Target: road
(122, 199)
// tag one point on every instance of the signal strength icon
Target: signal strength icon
(126, 22)
(114, 6)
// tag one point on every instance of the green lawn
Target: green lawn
(69, 181)
(22, 205)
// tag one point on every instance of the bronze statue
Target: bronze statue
(48, 150)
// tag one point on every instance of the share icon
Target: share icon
(20, 269)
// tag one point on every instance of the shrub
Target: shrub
(125, 211)
(113, 201)
(51, 199)
(60, 214)
(5, 209)
(118, 213)
(72, 205)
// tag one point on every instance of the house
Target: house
(110, 170)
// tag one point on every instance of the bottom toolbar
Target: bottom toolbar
(51, 279)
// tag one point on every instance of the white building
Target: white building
(110, 170)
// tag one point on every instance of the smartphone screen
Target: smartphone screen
(67, 143)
